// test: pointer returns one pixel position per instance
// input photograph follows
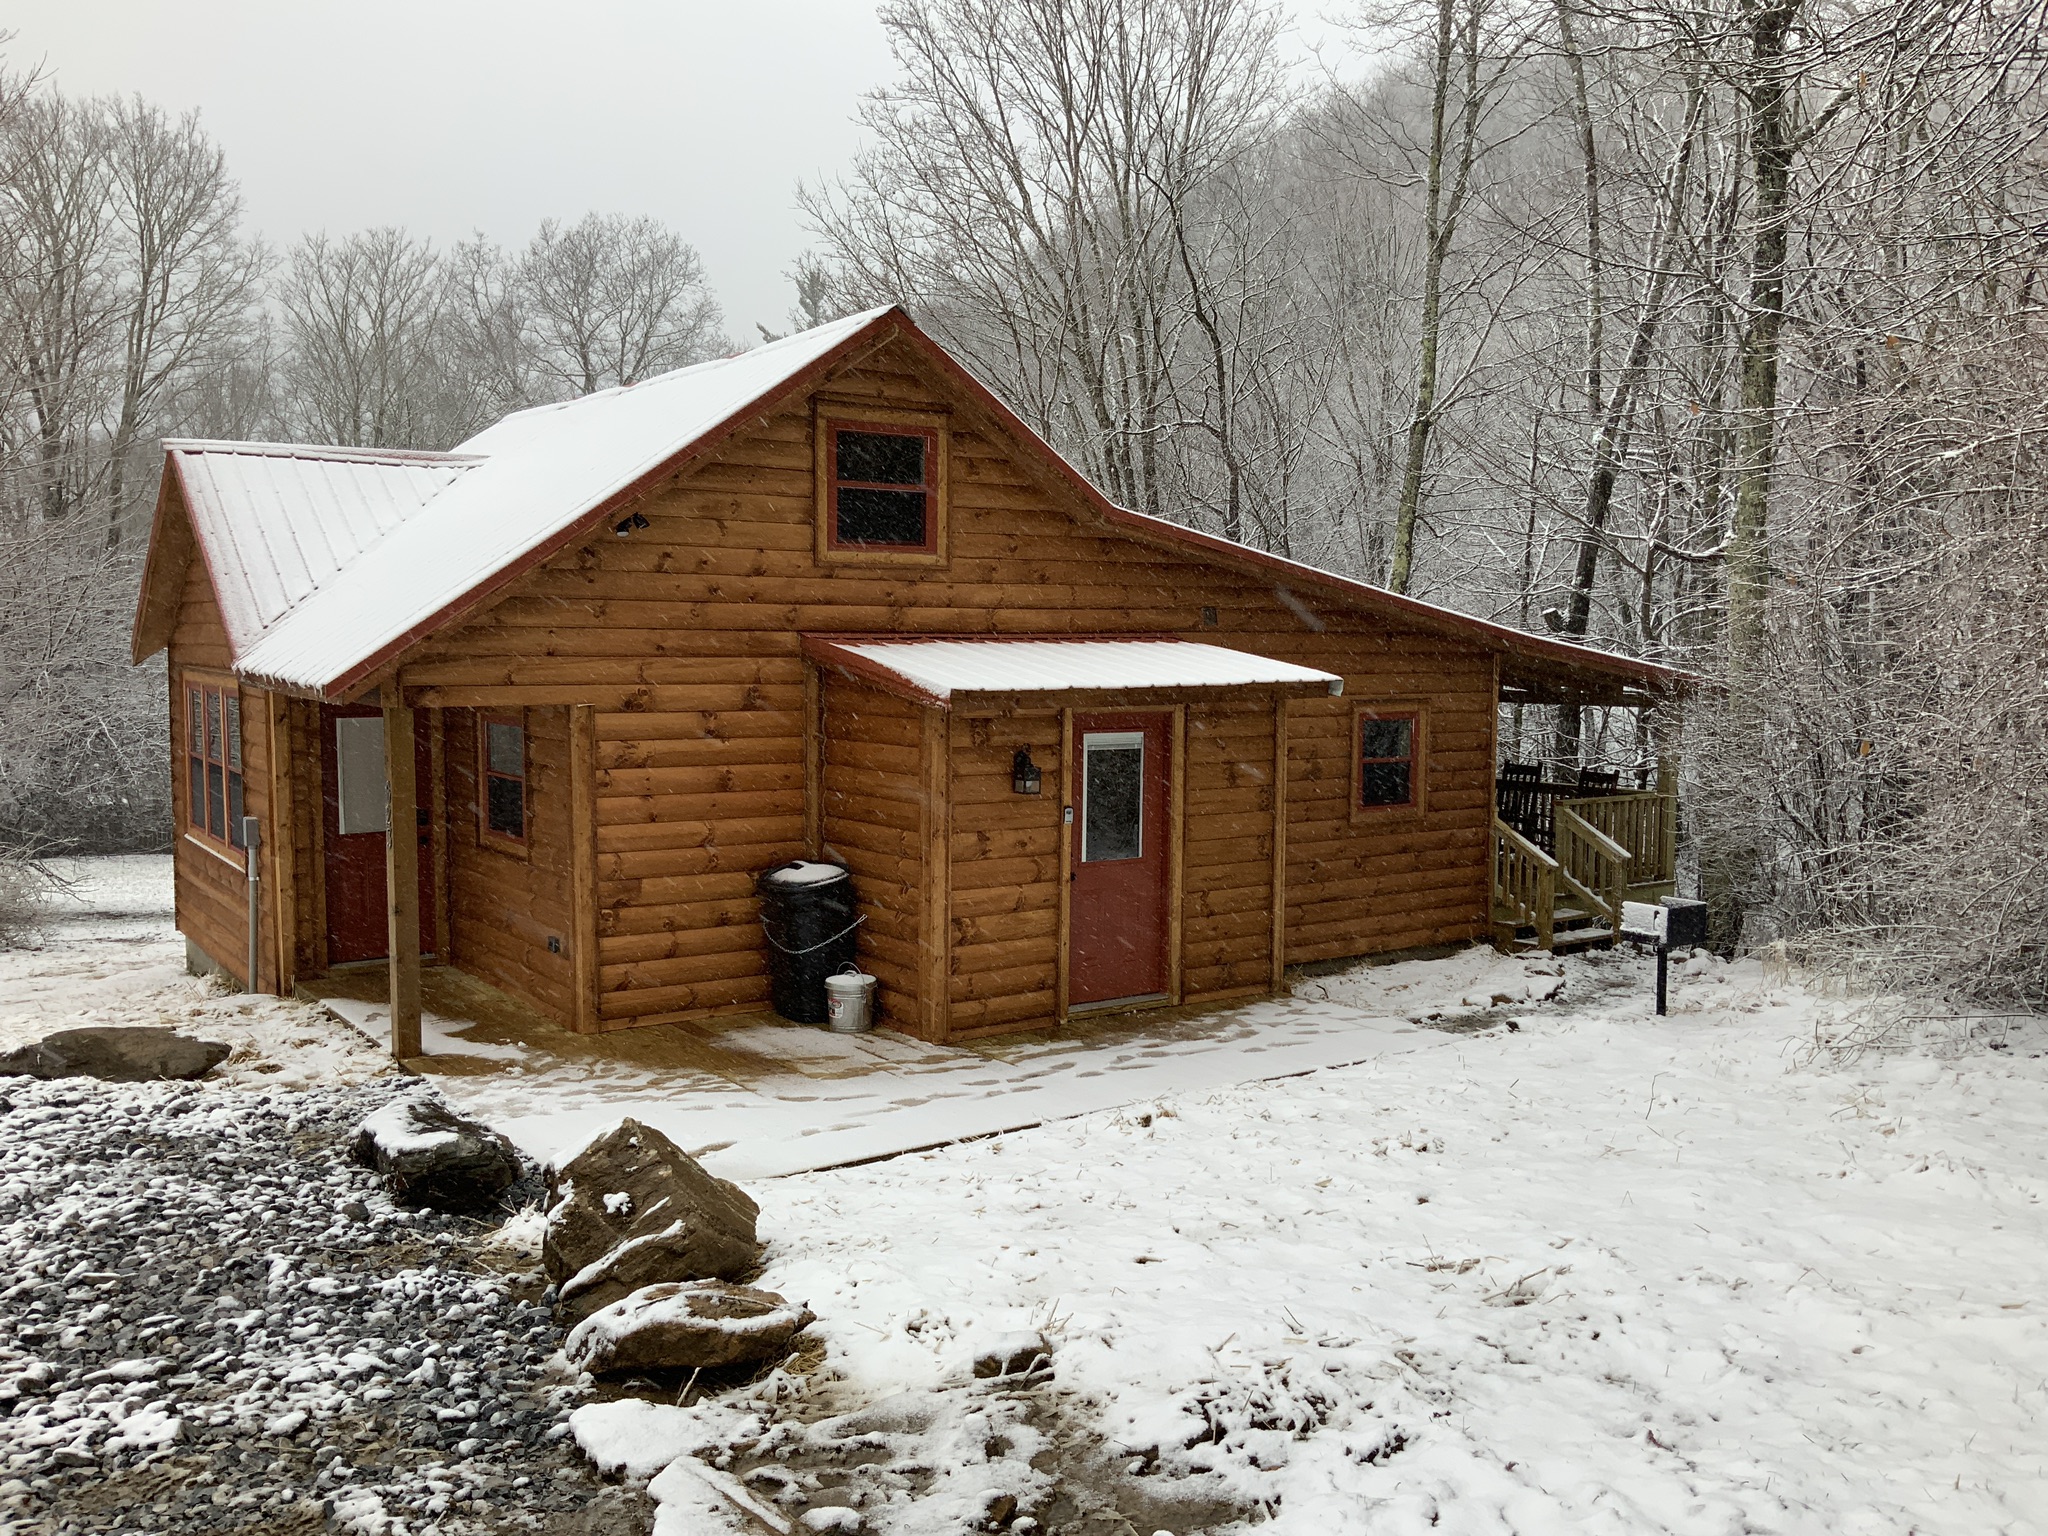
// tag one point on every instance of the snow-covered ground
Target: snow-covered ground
(107, 954)
(1597, 1273)
(1569, 1268)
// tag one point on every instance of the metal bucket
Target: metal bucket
(850, 1003)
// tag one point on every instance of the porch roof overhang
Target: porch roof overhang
(1538, 671)
(951, 671)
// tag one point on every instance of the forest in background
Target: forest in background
(1709, 333)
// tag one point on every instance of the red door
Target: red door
(356, 806)
(1117, 937)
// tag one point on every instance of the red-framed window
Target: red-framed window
(213, 762)
(1385, 755)
(882, 488)
(501, 776)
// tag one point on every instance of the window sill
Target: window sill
(1366, 815)
(511, 847)
(902, 557)
(234, 858)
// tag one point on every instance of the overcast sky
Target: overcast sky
(454, 116)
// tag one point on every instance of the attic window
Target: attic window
(881, 486)
(882, 489)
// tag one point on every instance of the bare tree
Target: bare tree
(364, 322)
(1021, 186)
(187, 278)
(613, 300)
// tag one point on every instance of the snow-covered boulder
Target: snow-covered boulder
(431, 1156)
(697, 1325)
(634, 1209)
(116, 1054)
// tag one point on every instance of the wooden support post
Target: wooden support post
(436, 798)
(1069, 788)
(402, 878)
(814, 762)
(1279, 955)
(1176, 844)
(935, 978)
(583, 938)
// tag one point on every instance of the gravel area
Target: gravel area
(213, 1321)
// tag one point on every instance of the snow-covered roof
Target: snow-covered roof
(935, 670)
(330, 562)
(501, 497)
(279, 522)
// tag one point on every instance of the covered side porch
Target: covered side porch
(1573, 841)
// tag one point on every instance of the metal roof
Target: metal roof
(278, 522)
(935, 670)
(330, 563)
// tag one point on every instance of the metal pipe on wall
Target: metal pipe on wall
(252, 840)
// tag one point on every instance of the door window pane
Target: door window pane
(1113, 796)
(362, 798)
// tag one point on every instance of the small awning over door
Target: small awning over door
(945, 672)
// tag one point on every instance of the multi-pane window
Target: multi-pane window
(501, 774)
(1386, 760)
(883, 492)
(213, 762)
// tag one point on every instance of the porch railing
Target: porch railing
(1643, 823)
(1591, 866)
(1604, 849)
(1524, 883)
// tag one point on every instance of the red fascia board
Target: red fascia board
(872, 334)
(873, 674)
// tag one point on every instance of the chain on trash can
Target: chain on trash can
(811, 918)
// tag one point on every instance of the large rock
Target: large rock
(431, 1156)
(116, 1054)
(633, 1209)
(696, 1325)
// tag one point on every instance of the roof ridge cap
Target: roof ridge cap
(321, 451)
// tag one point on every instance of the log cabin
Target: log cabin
(609, 660)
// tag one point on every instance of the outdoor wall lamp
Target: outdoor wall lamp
(1024, 774)
(630, 525)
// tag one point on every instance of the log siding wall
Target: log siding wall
(211, 889)
(1005, 890)
(506, 907)
(874, 821)
(685, 638)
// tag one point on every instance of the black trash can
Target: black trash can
(809, 915)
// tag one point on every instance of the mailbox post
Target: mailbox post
(1676, 922)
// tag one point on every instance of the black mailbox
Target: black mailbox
(1685, 922)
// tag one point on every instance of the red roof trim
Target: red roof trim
(863, 669)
